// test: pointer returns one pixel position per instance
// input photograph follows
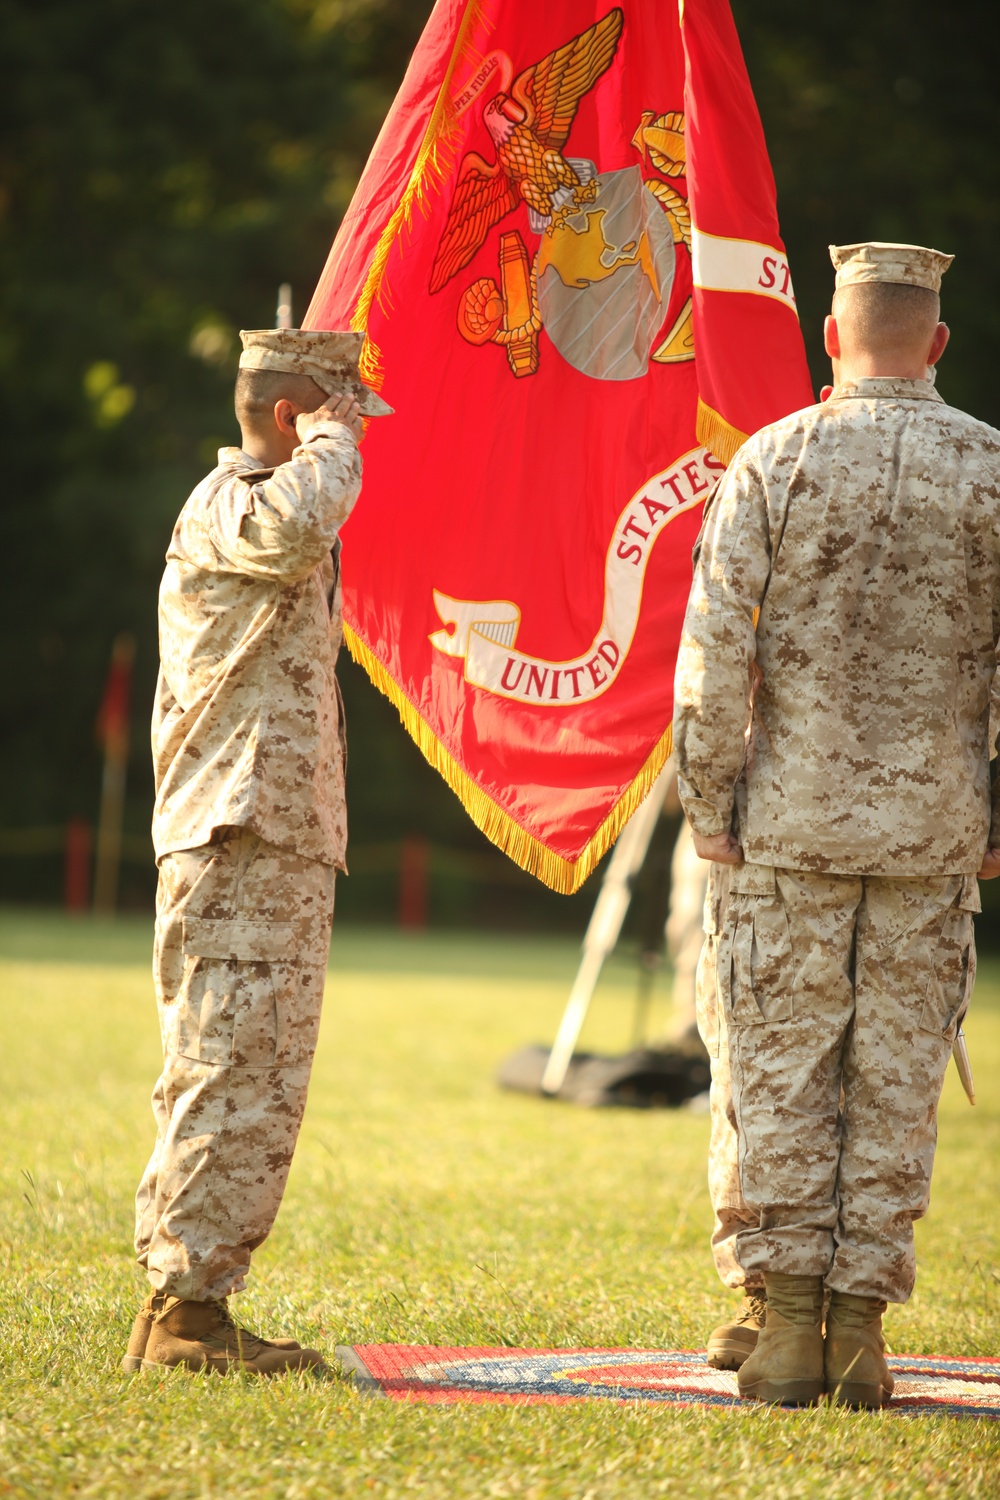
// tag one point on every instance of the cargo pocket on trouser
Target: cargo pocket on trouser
(761, 963)
(226, 1009)
(168, 959)
(951, 972)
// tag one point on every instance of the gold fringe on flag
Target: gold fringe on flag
(716, 433)
(433, 161)
(563, 875)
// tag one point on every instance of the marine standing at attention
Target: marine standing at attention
(249, 829)
(855, 815)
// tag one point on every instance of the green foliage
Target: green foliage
(881, 122)
(425, 1206)
(163, 169)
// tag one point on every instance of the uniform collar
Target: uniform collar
(239, 457)
(883, 387)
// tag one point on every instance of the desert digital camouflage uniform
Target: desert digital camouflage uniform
(249, 829)
(867, 532)
(698, 896)
(730, 1209)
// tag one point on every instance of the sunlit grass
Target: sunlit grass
(425, 1206)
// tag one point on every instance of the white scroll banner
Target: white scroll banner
(721, 265)
(483, 633)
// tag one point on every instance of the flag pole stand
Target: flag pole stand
(667, 1073)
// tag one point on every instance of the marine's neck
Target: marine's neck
(269, 448)
(870, 367)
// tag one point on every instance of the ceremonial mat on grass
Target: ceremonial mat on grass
(441, 1374)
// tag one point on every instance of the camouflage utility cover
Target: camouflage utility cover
(902, 265)
(867, 531)
(331, 359)
(247, 725)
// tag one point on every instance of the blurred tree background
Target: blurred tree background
(164, 168)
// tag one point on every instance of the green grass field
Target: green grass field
(425, 1206)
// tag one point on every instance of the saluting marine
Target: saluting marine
(856, 815)
(249, 829)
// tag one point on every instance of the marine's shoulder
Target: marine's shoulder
(963, 422)
(235, 471)
(777, 436)
(836, 419)
(234, 464)
(194, 530)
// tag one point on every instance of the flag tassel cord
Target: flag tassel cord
(562, 875)
(715, 432)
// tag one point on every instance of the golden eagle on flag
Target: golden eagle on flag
(529, 127)
(565, 256)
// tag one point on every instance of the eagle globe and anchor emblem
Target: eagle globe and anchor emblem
(600, 283)
(601, 278)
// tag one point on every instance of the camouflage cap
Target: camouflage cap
(330, 357)
(907, 265)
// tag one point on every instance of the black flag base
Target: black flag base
(645, 1078)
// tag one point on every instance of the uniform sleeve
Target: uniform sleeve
(994, 838)
(283, 526)
(718, 647)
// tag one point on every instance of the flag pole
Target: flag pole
(113, 730)
(604, 927)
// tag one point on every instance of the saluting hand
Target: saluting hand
(991, 865)
(342, 409)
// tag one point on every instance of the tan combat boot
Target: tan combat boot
(203, 1336)
(786, 1367)
(139, 1337)
(856, 1371)
(731, 1343)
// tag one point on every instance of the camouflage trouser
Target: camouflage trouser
(843, 995)
(242, 940)
(728, 1205)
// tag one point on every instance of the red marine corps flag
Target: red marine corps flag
(564, 253)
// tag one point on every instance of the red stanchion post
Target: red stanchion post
(414, 883)
(76, 881)
(112, 731)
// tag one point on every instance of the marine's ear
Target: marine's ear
(939, 343)
(285, 413)
(831, 337)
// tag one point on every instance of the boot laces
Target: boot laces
(225, 1316)
(754, 1309)
(244, 1337)
(758, 1305)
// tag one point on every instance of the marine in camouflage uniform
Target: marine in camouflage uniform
(866, 531)
(249, 829)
